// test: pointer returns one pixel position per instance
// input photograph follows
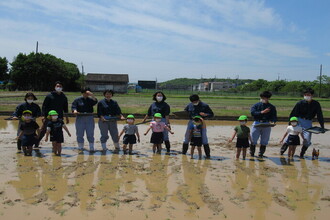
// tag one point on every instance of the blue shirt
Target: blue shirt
(108, 108)
(82, 104)
(194, 110)
(268, 117)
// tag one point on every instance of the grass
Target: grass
(134, 103)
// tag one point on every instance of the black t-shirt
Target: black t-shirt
(55, 127)
(29, 128)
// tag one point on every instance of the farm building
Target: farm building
(100, 82)
(213, 86)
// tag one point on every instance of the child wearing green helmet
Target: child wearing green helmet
(243, 137)
(293, 130)
(54, 130)
(158, 128)
(130, 130)
(196, 131)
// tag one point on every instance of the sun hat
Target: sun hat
(242, 118)
(27, 111)
(130, 116)
(158, 115)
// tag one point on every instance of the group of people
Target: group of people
(55, 106)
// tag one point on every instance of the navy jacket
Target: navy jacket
(268, 117)
(83, 105)
(159, 107)
(57, 102)
(108, 108)
(306, 110)
(194, 110)
(33, 107)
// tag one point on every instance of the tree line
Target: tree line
(38, 72)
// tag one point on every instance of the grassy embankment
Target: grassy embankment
(139, 102)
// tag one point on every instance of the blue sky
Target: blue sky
(167, 39)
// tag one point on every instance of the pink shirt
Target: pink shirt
(157, 126)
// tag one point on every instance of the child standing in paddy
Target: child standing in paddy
(293, 130)
(157, 127)
(54, 129)
(196, 129)
(130, 130)
(28, 134)
(243, 137)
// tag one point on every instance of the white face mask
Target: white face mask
(294, 123)
(29, 101)
(242, 122)
(58, 89)
(130, 120)
(54, 117)
(27, 117)
(308, 98)
(159, 98)
(158, 119)
(195, 103)
(263, 101)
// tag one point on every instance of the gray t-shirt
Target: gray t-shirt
(130, 129)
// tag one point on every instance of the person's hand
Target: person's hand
(46, 139)
(169, 125)
(75, 112)
(122, 117)
(89, 93)
(17, 138)
(145, 133)
(43, 119)
(230, 140)
(281, 142)
(69, 134)
(265, 111)
(14, 118)
(171, 132)
(203, 114)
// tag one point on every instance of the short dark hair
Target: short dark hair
(155, 94)
(194, 97)
(108, 91)
(58, 82)
(83, 90)
(30, 94)
(266, 94)
(309, 90)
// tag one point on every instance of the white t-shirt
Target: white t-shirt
(294, 130)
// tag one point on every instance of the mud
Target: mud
(146, 186)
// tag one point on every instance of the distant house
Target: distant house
(100, 82)
(213, 86)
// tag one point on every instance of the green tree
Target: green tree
(256, 85)
(3, 69)
(40, 71)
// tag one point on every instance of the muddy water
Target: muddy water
(147, 186)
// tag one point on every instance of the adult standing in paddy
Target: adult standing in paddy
(160, 106)
(82, 107)
(56, 100)
(306, 110)
(263, 113)
(108, 111)
(30, 105)
(197, 108)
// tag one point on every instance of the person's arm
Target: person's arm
(137, 134)
(295, 111)
(47, 133)
(286, 133)
(255, 111)
(207, 112)
(66, 129)
(66, 110)
(169, 129)
(274, 115)
(38, 113)
(121, 133)
(232, 137)
(19, 135)
(119, 112)
(147, 131)
(74, 106)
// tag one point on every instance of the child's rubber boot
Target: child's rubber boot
(303, 151)
(252, 150)
(284, 148)
(80, 146)
(104, 146)
(262, 151)
(91, 147)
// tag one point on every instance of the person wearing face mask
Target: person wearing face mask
(130, 130)
(293, 130)
(54, 130)
(306, 110)
(196, 130)
(56, 100)
(263, 113)
(82, 107)
(108, 111)
(30, 105)
(160, 106)
(197, 108)
(243, 136)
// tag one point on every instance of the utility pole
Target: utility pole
(37, 48)
(320, 81)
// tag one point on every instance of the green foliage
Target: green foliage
(40, 71)
(3, 69)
